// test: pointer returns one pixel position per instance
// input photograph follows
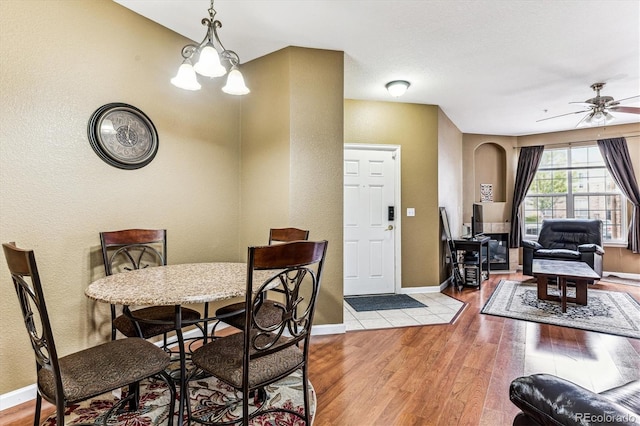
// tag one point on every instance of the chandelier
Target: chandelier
(206, 59)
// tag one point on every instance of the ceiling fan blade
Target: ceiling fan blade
(562, 115)
(630, 97)
(587, 104)
(628, 110)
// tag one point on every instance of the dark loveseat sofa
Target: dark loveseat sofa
(550, 400)
(566, 239)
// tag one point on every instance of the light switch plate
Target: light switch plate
(411, 211)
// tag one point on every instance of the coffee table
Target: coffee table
(578, 272)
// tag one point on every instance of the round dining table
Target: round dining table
(175, 285)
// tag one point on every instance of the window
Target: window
(574, 182)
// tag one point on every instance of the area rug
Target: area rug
(383, 302)
(210, 399)
(606, 311)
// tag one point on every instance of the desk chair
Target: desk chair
(263, 354)
(90, 372)
(234, 314)
(132, 249)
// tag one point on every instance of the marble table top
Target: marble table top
(565, 268)
(175, 284)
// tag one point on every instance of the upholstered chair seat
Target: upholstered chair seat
(166, 314)
(98, 369)
(223, 359)
(268, 315)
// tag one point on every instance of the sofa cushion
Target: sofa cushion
(558, 254)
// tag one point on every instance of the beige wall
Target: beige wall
(61, 61)
(292, 140)
(415, 128)
(450, 194)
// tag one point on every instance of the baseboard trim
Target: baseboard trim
(429, 289)
(624, 275)
(326, 329)
(18, 396)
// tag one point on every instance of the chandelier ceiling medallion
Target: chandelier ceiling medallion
(209, 57)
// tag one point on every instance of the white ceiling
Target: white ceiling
(493, 66)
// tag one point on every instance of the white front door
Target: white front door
(369, 231)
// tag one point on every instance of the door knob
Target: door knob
(389, 228)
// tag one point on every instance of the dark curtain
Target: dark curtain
(618, 161)
(528, 162)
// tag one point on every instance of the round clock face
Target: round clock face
(123, 136)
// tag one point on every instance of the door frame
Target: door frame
(397, 235)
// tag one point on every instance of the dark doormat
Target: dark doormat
(383, 302)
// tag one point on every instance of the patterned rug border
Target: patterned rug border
(209, 399)
(569, 319)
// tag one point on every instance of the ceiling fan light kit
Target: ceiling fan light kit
(599, 109)
(208, 61)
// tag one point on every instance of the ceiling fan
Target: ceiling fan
(599, 108)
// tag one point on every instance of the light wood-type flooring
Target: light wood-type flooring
(448, 374)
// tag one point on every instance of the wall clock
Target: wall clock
(123, 136)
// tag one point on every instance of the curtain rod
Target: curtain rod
(583, 141)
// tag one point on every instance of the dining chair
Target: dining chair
(132, 249)
(233, 314)
(265, 353)
(87, 373)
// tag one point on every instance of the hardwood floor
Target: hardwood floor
(458, 374)
(451, 374)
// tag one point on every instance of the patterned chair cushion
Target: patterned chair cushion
(223, 359)
(105, 367)
(268, 314)
(162, 313)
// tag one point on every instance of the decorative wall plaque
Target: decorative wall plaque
(486, 192)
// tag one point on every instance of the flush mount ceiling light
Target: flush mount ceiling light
(397, 87)
(205, 59)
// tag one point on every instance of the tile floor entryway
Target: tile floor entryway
(441, 309)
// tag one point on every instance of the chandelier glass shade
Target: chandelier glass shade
(209, 61)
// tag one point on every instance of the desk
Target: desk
(175, 285)
(478, 245)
